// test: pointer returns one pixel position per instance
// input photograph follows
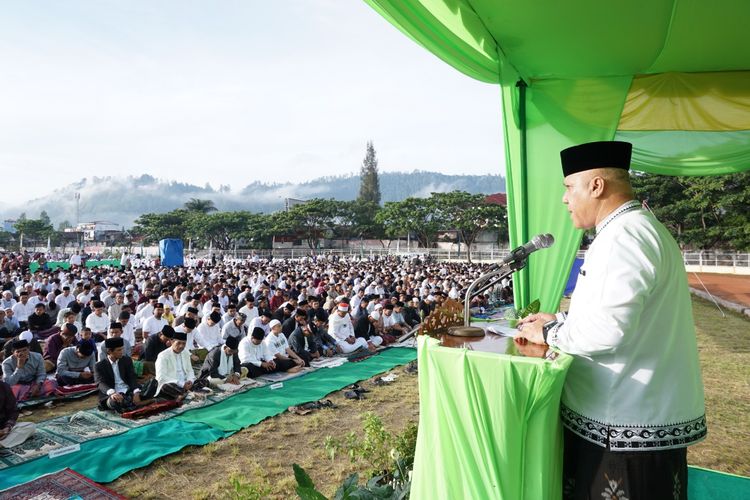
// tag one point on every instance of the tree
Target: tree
(201, 206)
(225, 229)
(416, 215)
(470, 214)
(175, 224)
(701, 212)
(310, 220)
(369, 187)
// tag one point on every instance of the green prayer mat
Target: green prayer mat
(251, 407)
(704, 484)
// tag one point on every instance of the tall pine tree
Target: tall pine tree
(369, 187)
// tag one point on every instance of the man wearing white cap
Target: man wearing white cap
(340, 327)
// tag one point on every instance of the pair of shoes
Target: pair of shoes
(353, 395)
(357, 388)
(379, 381)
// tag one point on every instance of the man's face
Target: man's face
(341, 314)
(115, 332)
(577, 197)
(98, 311)
(117, 353)
(24, 298)
(21, 353)
(38, 311)
(158, 311)
(119, 298)
(178, 346)
(9, 313)
(265, 320)
(256, 341)
(86, 334)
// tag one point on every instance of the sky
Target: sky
(227, 92)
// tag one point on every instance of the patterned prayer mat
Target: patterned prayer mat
(91, 424)
(32, 403)
(60, 485)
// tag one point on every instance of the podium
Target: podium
(489, 425)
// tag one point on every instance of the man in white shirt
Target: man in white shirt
(260, 322)
(254, 355)
(633, 396)
(155, 323)
(277, 346)
(174, 372)
(340, 328)
(249, 309)
(208, 333)
(98, 321)
(23, 309)
(65, 298)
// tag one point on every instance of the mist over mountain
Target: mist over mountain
(122, 199)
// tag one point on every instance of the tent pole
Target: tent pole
(524, 194)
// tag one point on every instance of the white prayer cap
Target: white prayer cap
(273, 323)
(430, 298)
(343, 306)
(340, 298)
(378, 307)
(415, 300)
(26, 335)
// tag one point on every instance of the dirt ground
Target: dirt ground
(731, 287)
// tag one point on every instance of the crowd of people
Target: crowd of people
(140, 332)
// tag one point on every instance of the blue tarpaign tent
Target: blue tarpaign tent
(171, 252)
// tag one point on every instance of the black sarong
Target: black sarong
(592, 472)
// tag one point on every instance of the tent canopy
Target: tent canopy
(670, 76)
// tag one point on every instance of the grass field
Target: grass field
(261, 456)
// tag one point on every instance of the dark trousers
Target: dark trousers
(282, 365)
(591, 472)
(63, 380)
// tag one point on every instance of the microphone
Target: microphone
(537, 243)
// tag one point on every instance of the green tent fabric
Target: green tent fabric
(567, 71)
(488, 425)
(106, 459)
(52, 265)
(253, 406)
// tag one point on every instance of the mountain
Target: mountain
(122, 199)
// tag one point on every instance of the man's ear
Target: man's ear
(596, 186)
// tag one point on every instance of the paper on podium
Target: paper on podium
(502, 328)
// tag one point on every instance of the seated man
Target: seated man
(319, 330)
(367, 330)
(98, 321)
(56, 343)
(222, 364)
(298, 319)
(152, 324)
(393, 323)
(261, 321)
(11, 434)
(302, 342)
(155, 345)
(208, 333)
(24, 372)
(75, 365)
(340, 328)
(7, 328)
(118, 389)
(411, 313)
(174, 372)
(254, 356)
(277, 346)
(115, 331)
(40, 323)
(235, 327)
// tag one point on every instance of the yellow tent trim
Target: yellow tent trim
(717, 101)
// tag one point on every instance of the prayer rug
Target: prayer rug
(60, 485)
(32, 403)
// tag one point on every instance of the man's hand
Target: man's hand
(35, 389)
(137, 398)
(117, 397)
(194, 358)
(233, 379)
(87, 375)
(350, 340)
(5, 431)
(188, 385)
(21, 359)
(531, 331)
(531, 350)
(534, 317)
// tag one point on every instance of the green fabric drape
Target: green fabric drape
(578, 59)
(488, 425)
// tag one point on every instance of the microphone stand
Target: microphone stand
(499, 273)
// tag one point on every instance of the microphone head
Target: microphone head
(543, 240)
